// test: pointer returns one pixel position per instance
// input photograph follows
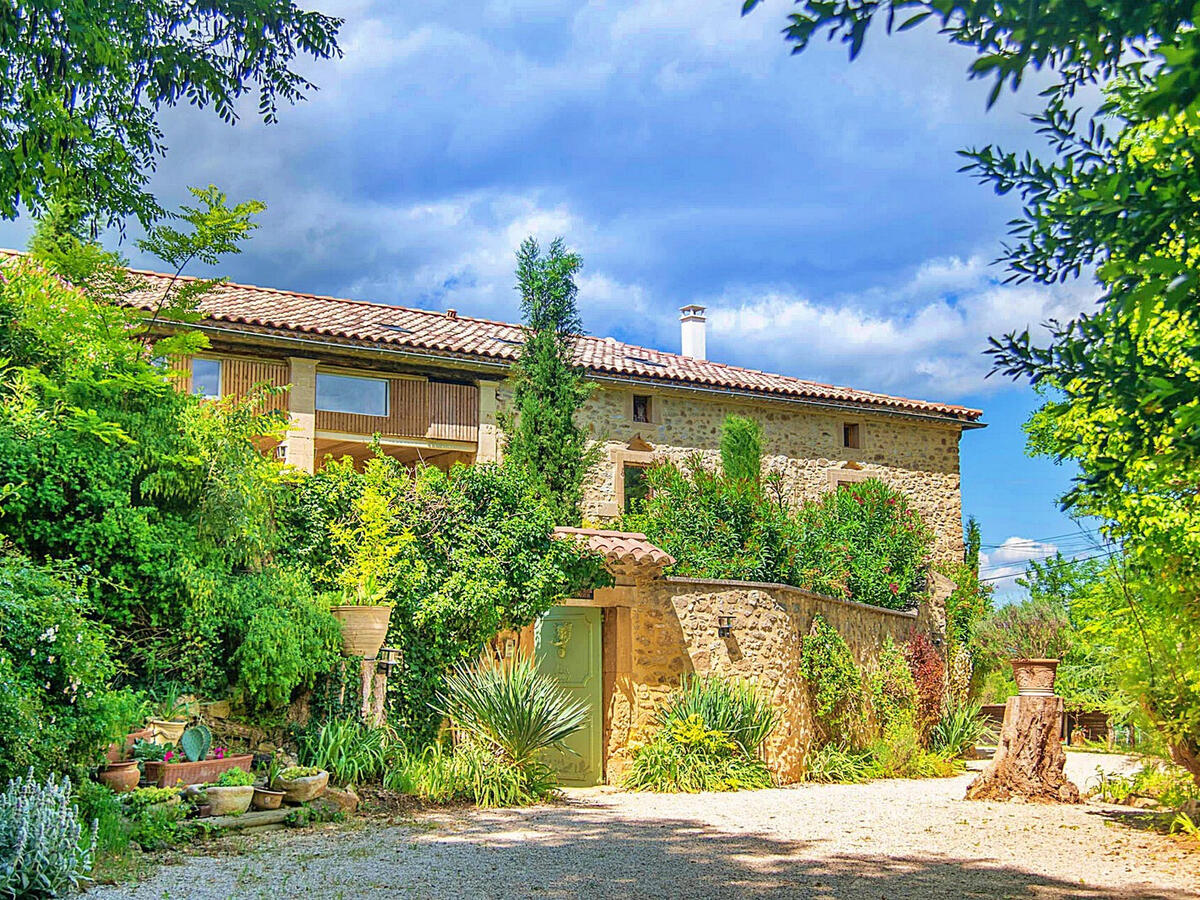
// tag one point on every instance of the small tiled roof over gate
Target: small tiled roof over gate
(626, 552)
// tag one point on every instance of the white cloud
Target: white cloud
(924, 335)
(1002, 566)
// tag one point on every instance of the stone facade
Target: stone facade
(802, 443)
(660, 630)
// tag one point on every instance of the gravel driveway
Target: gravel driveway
(887, 839)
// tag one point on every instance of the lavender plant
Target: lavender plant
(42, 850)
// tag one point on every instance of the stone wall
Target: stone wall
(667, 628)
(802, 443)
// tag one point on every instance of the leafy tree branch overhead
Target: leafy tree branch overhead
(82, 84)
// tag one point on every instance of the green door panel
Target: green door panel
(567, 647)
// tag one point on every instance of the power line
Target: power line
(1082, 533)
(1054, 565)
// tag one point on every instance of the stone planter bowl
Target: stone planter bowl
(1034, 677)
(301, 790)
(265, 798)
(364, 628)
(225, 801)
(120, 777)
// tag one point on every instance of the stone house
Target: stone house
(429, 385)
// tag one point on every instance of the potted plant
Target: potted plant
(265, 797)
(364, 616)
(1033, 636)
(301, 783)
(192, 763)
(121, 776)
(130, 727)
(231, 793)
(169, 716)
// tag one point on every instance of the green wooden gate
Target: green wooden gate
(567, 647)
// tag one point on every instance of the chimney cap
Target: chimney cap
(692, 310)
(452, 313)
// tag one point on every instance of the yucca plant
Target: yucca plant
(511, 709)
(959, 730)
(732, 706)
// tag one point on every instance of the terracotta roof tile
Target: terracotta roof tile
(622, 549)
(420, 330)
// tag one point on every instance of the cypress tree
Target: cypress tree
(548, 388)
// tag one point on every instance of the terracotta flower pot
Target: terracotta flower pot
(265, 798)
(120, 776)
(364, 628)
(118, 751)
(301, 790)
(165, 774)
(166, 732)
(229, 800)
(1034, 677)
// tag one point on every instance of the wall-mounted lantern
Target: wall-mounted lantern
(724, 626)
(389, 658)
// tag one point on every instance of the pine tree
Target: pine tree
(548, 388)
(971, 544)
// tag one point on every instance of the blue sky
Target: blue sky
(812, 204)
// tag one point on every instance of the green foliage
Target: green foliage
(43, 848)
(715, 526)
(540, 430)
(862, 543)
(235, 777)
(285, 637)
(349, 750)
(196, 742)
(86, 132)
(893, 692)
(1120, 201)
(512, 709)
(1171, 787)
(835, 684)
(57, 713)
(959, 730)
(291, 773)
(732, 706)
(1036, 628)
(468, 773)
(710, 732)
(900, 753)
(837, 764)
(741, 448)
(468, 553)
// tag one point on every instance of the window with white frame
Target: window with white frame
(206, 377)
(352, 394)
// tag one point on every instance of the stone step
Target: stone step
(256, 820)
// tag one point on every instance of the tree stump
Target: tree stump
(1029, 759)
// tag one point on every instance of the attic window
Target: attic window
(646, 362)
(641, 408)
(850, 436)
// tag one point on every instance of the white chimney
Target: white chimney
(691, 325)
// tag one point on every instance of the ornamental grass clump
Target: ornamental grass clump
(43, 851)
(709, 736)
